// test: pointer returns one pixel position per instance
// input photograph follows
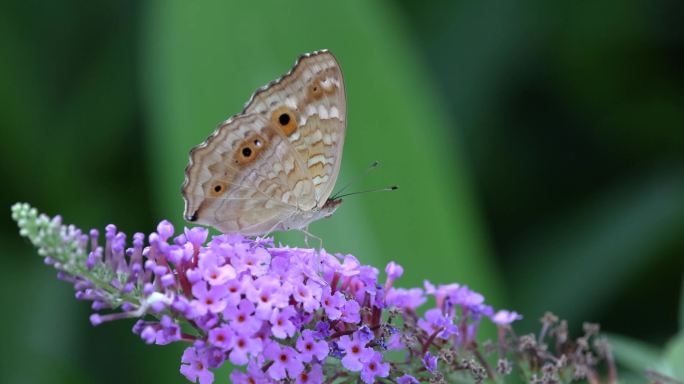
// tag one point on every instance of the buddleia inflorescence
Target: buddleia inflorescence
(297, 315)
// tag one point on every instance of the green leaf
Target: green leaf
(640, 357)
(674, 357)
(573, 265)
(681, 308)
(633, 354)
(202, 61)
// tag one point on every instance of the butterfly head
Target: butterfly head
(329, 207)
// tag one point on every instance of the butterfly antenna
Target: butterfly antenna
(390, 188)
(371, 167)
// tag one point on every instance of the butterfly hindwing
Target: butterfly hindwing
(244, 177)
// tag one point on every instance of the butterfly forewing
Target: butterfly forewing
(310, 107)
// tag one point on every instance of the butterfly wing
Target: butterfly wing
(308, 106)
(244, 178)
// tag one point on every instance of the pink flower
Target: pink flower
(213, 271)
(254, 375)
(466, 297)
(196, 235)
(405, 298)
(349, 267)
(221, 337)
(308, 347)
(168, 332)
(504, 317)
(394, 270)
(313, 376)
(242, 318)
(355, 351)
(308, 294)
(256, 262)
(350, 312)
(286, 361)
(165, 230)
(267, 293)
(441, 292)
(281, 321)
(235, 289)
(435, 321)
(208, 299)
(430, 362)
(407, 379)
(374, 367)
(243, 346)
(195, 367)
(332, 303)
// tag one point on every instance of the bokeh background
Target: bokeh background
(538, 146)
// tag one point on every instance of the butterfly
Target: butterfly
(273, 166)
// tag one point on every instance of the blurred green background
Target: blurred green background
(539, 150)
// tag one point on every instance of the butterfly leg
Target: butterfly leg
(307, 234)
(273, 229)
(317, 261)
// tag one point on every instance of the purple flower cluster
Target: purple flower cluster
(280, 313)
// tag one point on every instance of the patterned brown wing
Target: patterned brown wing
(245, 178)
(308, 106)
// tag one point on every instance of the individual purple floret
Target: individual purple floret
(195, 367)
(374, 366)
(355, 351)
(504, 317)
